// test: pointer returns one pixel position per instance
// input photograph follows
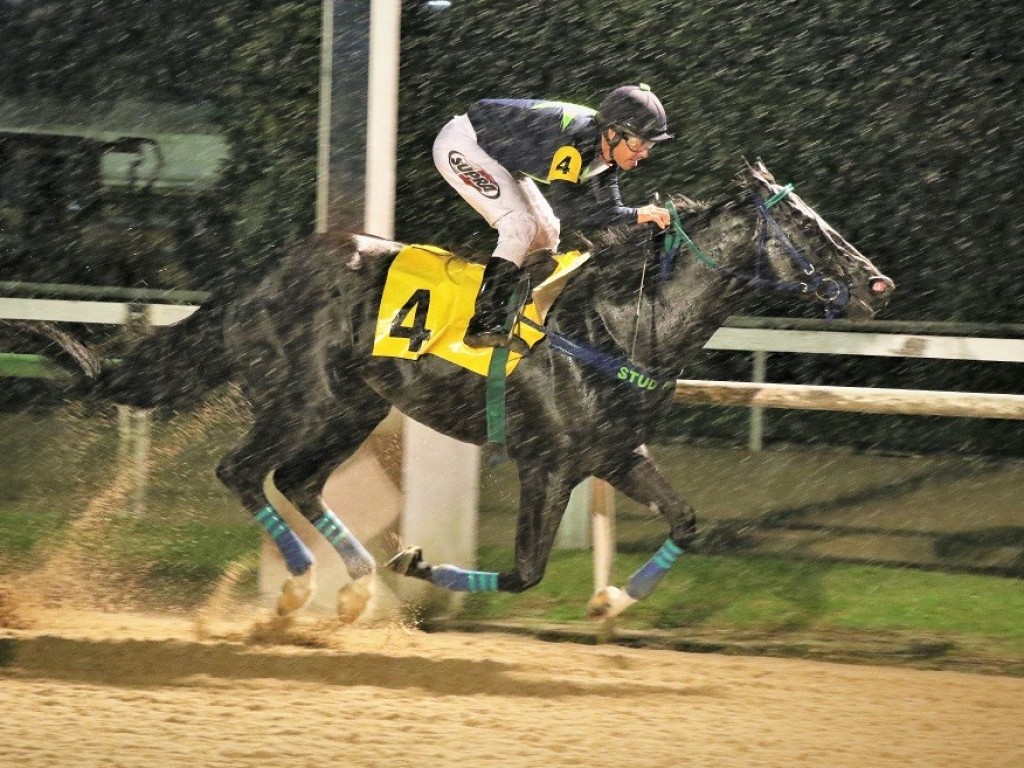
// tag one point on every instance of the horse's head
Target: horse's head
(804, 248)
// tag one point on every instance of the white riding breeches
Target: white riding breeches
(516, 208)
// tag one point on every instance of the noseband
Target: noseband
(832, 292)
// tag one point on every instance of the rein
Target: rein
(618, 368)
(612, 366)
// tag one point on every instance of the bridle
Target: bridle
(833, 293)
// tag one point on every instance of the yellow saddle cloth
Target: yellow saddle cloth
(428, 300)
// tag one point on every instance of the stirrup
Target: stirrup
(483, 337)
(489, 340)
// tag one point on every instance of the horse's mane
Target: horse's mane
(614, 237)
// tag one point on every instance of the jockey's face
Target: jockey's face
(628, 152)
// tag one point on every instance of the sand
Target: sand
(108, 689)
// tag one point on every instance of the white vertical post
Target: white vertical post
(602, 508)
(441, 478)
(756, 438)
(363, 492)
(133, 429)
(382, 117)
(142, 425)
(323, 148)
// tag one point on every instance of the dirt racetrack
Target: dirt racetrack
(109, 689)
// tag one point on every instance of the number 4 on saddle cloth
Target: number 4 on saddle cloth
(428, 300)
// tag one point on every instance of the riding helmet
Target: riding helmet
(636, 109)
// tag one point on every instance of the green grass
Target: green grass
(21, 530)
(190, 550)
(885, 598)
(26, 366)
(179, 563)
(776, 595)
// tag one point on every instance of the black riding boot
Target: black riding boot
(496, 305)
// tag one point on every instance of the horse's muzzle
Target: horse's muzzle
(881, 284)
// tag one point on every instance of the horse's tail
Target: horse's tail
(70, 362)
(173, 367)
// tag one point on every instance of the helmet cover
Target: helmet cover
(636, 109)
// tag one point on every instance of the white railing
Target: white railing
(926, 340)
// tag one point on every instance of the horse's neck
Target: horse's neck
(660, 321)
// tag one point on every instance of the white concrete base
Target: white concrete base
(442, 491)
(574, 530)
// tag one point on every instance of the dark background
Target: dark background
(900, 122)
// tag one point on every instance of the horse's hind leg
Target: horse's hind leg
(243, 471)
(641, 480)
(301, 479)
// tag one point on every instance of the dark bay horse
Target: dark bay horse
(299, 346)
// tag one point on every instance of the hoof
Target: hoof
(296, 593)
(608, 603)
(406, 562)
(354, 597)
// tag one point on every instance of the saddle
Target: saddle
(428, 299)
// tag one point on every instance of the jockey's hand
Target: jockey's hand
(653, 214)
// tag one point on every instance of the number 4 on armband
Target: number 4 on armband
(415, 309)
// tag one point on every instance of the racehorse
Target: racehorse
(583, 402)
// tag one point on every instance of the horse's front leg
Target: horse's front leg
(641, 480)
(544, 495)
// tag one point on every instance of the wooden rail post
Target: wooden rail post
(756, 439)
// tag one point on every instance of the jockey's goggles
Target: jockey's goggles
(634, 143)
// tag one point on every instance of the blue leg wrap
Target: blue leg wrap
(459, 580)
(646, 578)
(357, 560)
(297, 557)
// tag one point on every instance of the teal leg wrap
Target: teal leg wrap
(297, 557)
(646, 578)
(357, 560)
(460, 580)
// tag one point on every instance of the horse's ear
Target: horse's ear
(759, 169)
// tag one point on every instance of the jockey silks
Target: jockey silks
(557, 145)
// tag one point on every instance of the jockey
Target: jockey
(496, 154)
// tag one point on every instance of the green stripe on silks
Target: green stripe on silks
(496, 396)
